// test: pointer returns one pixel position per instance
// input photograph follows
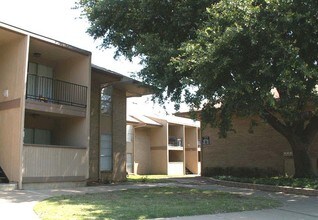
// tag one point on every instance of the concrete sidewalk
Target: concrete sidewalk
(19, 204)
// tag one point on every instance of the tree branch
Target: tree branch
(275, 123)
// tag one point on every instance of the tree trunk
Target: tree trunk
(299, 139)
(302, 162)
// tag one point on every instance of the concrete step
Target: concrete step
(8, 186)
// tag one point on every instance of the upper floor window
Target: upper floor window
(40, 70)
(106, 100)
(106, 144)
(129, 133)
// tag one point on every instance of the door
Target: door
(40, 82)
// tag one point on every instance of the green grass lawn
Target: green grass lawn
(276, 181)
(148, 203)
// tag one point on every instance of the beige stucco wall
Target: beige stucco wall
(159, 161)
(71, 132)
(13, 68)
(158, 148)
(64, 131)
(142, 154)
(191, 149)
(262, 149)
(74, 70)
(151, 149)
(13, 63)
(191, 155)
(68, 65)
(41, 162)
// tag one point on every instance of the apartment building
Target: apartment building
(163, 145)
(62, 119)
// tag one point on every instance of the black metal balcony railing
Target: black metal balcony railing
(56, 91)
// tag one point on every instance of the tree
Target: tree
(231, 54)
(244, 51)
(153, 30)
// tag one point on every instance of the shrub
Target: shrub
(240, 172)
(311, 183)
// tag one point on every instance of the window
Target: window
(40, 83)
(205, 140)
(106, 158)
(40, 70)
(129, 163)
(129, 133)
(106, 100)
(37, 136)
(106, 146)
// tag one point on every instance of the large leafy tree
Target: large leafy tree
(153, 30)
(242, 57)
(259, 57)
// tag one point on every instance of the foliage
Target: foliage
(247, 50)
(250, 172)
(310, 183)
(227, 57)
(153, 30)
(148, 203)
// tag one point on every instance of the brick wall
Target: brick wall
(118, 131)
(119, 138)
(263, 148)
(94, 131)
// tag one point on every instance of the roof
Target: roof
(43, 38)
(142, 120)
(133, 88)
(106, 71)
(132, 120)
(151, 121)
(171, 119)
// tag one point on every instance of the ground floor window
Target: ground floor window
(37, 136)
(129, 163)
(106, 158)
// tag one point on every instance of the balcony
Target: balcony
(45, 95)
(55, 91)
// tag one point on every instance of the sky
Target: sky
(56, 19)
